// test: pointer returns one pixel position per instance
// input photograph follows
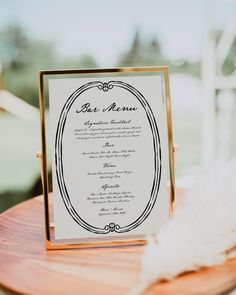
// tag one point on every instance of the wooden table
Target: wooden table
(26, 267)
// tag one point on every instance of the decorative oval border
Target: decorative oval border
(111, 227)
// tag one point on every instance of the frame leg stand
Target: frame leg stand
(172, 200)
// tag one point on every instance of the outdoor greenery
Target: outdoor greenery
(22, 56)
(143, 53)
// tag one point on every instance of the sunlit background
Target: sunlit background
(196, 39)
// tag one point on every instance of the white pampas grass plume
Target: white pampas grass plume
(200, 232)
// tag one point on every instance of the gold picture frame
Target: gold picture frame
(51, 243)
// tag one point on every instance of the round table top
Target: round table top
(27, 268)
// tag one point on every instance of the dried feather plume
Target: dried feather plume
(202, 229)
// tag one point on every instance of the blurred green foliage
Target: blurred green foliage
(143, 53)
(22, 57)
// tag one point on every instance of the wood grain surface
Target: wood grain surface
(27, 268)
